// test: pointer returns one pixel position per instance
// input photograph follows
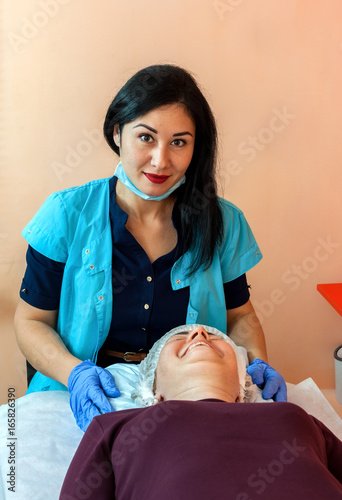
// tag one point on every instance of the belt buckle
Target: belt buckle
(128, 353)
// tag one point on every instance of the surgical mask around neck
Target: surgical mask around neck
(121, 175)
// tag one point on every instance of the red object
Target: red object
(332, 292)
(157, 179)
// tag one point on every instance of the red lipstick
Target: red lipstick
(156, 179)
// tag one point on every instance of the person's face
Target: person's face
(156, 149)
(191, 357)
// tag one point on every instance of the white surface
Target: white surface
(338, 375)
(308, 396)
(330, 395)
(47, 435)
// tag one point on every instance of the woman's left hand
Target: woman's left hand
(271, 382)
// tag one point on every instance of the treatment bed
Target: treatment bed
(38, 433)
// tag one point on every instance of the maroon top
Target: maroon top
(206, 450)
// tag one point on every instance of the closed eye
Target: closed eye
(181, 336)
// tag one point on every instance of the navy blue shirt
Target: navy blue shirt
(144, 304)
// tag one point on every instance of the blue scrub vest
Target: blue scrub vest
(73, 226)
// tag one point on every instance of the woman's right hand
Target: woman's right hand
(43, 348)
(89, 386)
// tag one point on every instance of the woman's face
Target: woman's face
(188, 358)
(156, 148)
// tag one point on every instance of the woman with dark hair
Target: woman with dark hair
(164, 85)
(113, 264)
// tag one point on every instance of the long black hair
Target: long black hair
(197, 212)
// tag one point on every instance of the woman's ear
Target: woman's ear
(157, 395)
(116, 135)
(158, 398)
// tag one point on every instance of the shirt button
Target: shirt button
(146, 306)
(144, 329)
(101, 297)
(87, 251)
(149, 278)
(178, 281)
(257, 252)
(191, 315)
(29, 231)
(92, 266)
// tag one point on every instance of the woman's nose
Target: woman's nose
(160, 157)
(199, 333)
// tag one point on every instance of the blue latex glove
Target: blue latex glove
(271, 382)
(89, 385)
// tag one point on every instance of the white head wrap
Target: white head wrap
(143, 394)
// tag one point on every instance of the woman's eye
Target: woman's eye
(179, 142)
(146, 137)
(175, 338)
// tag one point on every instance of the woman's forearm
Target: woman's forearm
(41, 345)
(244, 328)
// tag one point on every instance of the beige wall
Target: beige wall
(272, 71)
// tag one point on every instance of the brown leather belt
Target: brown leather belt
(130, 357)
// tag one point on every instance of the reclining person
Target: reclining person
(195, 441)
